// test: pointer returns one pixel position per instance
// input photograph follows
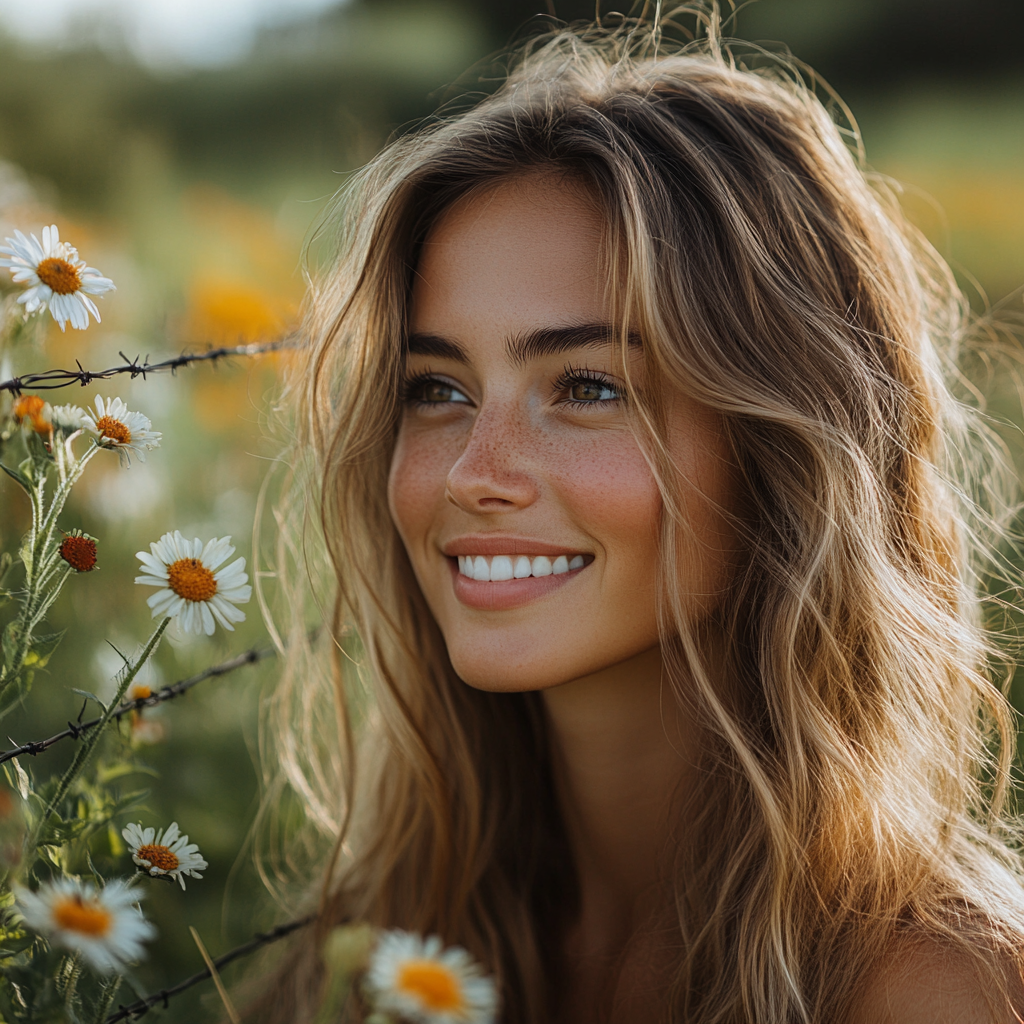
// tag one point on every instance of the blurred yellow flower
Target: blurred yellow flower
(226, 312)
(103, 925)
(419, 980)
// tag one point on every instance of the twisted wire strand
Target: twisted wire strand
(142, 1006)
(76, 730)
(49, 380)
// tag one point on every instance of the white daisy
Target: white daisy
(164, 853)
(67, 418)
(104, 926)
(417, 979)
(121, 430)
(193, 590)
(56, 277)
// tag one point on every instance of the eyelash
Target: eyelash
(573, 375)
(570, 377)
(411, 384)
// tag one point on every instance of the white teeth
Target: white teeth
(500, 568)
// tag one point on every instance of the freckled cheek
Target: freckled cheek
(615, 498)
(416, 484)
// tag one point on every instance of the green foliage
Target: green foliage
(63, 954)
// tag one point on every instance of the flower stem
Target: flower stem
(39, 556)
(106, 999)
(89, 744)
(71, 974)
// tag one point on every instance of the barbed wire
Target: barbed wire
(49, 380)
(76, 730)
(142, 1006)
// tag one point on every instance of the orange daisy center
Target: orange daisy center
(28, 407)
(87, 917)
(190, 579)
(432, 984)
(115, 430)
(59, 275)
(159, 856)
(79, 553)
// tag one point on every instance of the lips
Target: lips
(488, 544)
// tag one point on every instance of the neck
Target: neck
(621, 750)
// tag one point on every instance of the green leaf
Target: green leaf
(9, 644)
(89, 696)
(105, 774)
(42, 650)
(19, 477)
(13, 695)
(41, 457)
(23, 782)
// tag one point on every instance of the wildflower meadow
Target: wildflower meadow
(79, 850)
(152, 225)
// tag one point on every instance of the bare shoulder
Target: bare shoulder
(925, 982)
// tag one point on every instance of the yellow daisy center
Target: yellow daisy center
(74, 914)
(115, 430)
(432, 984)
(190, 579)
(59, 275)
(159, 856)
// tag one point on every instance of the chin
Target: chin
(500, 666)
(482, 673)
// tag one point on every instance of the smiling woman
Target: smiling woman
(639, 487)
(515, 452)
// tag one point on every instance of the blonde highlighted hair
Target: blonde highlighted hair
(855, 767)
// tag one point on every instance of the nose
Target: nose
(494, 472)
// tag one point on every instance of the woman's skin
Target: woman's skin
(500, 454)
(515, 443)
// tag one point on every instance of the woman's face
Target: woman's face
(526, 506)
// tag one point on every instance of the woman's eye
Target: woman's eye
(432, 391)
(580, 388)
(592, 391)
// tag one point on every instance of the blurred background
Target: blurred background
(186, 146)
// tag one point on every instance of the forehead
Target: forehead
(523, 254)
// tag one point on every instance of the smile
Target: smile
(500, 568)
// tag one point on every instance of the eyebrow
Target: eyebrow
(544, 341)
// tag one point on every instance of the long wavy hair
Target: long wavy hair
(853, 771)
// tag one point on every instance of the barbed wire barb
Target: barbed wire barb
(76, 730)
(50, 380)
(142, 1006)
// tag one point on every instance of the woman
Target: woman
(639, 491)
